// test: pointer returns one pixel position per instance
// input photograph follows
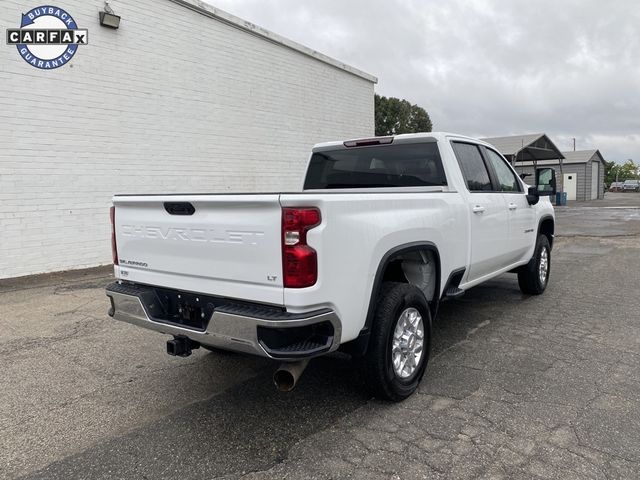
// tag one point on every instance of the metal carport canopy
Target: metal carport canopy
(523, 148)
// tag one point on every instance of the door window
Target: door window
(507, 181)
(473, 168)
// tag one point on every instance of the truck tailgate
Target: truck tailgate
(229, 246)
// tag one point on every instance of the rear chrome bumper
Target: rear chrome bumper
(231, 326)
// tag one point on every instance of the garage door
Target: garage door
(595, 176)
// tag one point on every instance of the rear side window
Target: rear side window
(400, 165)
(473, 168)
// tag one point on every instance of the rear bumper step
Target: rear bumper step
(218, 322)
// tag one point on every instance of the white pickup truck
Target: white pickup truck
(383, 230)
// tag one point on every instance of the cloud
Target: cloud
(487, 68)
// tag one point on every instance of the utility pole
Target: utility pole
(574, 144)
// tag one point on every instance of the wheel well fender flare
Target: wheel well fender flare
(544, 220)
(386, 260)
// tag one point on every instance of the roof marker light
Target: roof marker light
(366, 142)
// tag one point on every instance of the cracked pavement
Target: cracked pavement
(517, 386)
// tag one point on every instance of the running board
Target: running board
(451, 289)
(453, 292)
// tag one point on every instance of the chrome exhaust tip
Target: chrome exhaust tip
(287, 375)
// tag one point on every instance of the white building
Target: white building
(181, 97)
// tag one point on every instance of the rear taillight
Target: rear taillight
(114, 248)
(299, 260)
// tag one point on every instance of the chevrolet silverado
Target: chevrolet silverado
(382, 231)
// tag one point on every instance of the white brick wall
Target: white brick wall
(172, 101)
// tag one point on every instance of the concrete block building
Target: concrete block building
(182, 97)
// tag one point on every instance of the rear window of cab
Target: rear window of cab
(399, 165)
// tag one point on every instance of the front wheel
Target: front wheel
(400, 342)
(534, 276)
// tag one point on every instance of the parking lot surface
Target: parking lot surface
(517, 386)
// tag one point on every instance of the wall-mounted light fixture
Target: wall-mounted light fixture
(108, 18)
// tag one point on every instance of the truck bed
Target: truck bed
(231, 245)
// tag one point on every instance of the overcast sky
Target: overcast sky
(569, 68)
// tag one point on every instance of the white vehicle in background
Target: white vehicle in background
(631, 186)
(383, 230)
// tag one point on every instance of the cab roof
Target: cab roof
(390, 139)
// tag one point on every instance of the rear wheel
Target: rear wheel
(400, 341)
(534, 276)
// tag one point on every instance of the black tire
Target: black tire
(529, 276)
(381, 378)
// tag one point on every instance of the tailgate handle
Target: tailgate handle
(179, 208)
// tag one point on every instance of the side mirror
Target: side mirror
(546, 181)
(532, 196)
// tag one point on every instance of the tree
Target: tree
(629, 170)
(394, 116)
(610, 171)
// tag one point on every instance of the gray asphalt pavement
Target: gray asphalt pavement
(517, 387)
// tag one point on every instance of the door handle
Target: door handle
(478, 209)
(512, 206)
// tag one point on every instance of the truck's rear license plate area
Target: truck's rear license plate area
(185, 309)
